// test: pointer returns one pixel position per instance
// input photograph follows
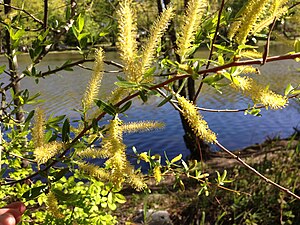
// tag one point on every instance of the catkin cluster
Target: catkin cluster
(117, 168)
(195, 120)
(259, 93)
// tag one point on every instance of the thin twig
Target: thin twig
(267, 46)
(24, 11)
(267, 180)
(211, 49)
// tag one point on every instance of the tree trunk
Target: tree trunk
(13, 67)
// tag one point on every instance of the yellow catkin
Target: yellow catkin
(249, 69)
(46, 151)
(156, 32)
(259, 93)
(38, 131)
(127, 39)
(93, 86)
(52, 205)
(135, 178)
(251, 54)
(141, 126)
(93, 170)
(117, 95)
(189, 26)
(248, 17)
(144, 156)
(195, 120)
(93, 153)
(157, 174)
(137, 182)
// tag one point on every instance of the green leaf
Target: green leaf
(81, 36)
(149, 72)
(48, 135)
(34, 192)
(253, 112)
(63, 196)
(120, 198)
(80, 23)
(65, 131)
(167, 99)
(297, 45)
(58, 175)
(18, 35)
(288, 89)
(29, 117)
(143, 96)
(176, 159)
(2, 68)
(126, 84)
(213, 79)
(112, 206)
(125, 107)
(55, 120)
(110, 197)
(223, 48)
(108, 108)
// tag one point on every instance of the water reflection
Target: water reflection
(62, 93)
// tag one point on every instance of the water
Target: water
(62, 94)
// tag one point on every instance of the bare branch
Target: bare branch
(24, 11)
(267, 180)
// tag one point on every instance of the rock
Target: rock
(153, 217)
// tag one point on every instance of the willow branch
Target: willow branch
(267, 180)
(128, 98)
(237, 110)
(267, 46)
(24, 11)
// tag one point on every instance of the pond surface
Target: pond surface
(62, 93)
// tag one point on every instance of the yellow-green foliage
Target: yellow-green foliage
(189, 26)
(195, 120)
(255, 16)
(259, 93)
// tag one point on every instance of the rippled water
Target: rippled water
(62, 93)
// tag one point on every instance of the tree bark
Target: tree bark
(13, 67)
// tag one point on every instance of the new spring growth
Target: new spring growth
(248, 16)
(142, 126)
(38, 129)
(93, 170)
(189, 27)
(137, 65)
(157, 31)
(52, 205)
(92, 89)
(195, 120)
(254, 17)
(127, 38)
(259, 93)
